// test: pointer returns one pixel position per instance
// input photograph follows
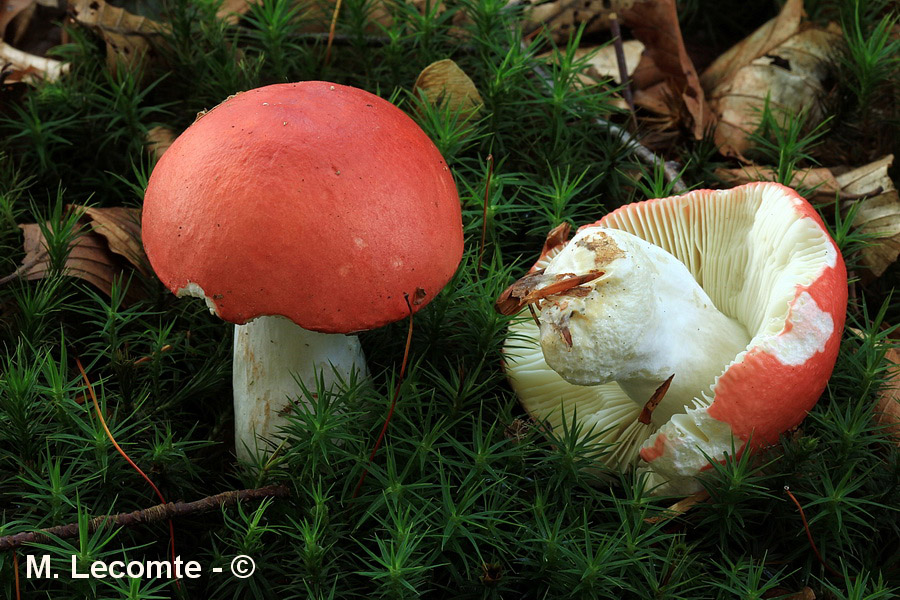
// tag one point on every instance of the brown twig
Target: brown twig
(787, 490)
(334, 18)
(127, 458)
(146, 359)
(620, 63)
(160, 512)
(16, 571)
(387, 420)
(657, 397)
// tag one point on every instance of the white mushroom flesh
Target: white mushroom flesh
(638, 324)
(272, 358)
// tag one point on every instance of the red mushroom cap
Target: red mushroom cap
(315, 201)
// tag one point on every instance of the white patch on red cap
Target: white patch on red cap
(807, 330)
(831, 255)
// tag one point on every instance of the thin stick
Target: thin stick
(647, 413)
(487, 194)
(809, 536)
(393, 401)
(620, 62)
(16, 571)
(334, 18)
(125, 456)
(147, 515)
(146, 359)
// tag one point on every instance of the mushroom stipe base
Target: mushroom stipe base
(274, 359)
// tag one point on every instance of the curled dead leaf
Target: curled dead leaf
(603, 65)
(15, 14)
(536, 286)
(655, 23)
(231, 11)
(444, 83)
(129, 38)
(121, 227)
(819, 179)
(783, 62)
(771, 35)
(562, 18)
(158, 140)
(95, 252)
(888, 406)
(785, 594)
(878, 214)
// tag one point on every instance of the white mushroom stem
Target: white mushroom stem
(273, 354)
(644, 320)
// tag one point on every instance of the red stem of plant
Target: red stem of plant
(809, 536)
(487, 194)
(387, 420)
(16, 571)
(334, 18)
(115, 444)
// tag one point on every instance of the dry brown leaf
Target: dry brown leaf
(657, 98)
(128, 37)
(105, 233)
(888, 406)
(562, 18)
(655, 23)
(646, 74)
(769, 36)
(791, 76)
(231, 11)
(604, 65)
(785, 594)
(878, 214)
(121, 227)
(559, 18)
(443, 82)
(18, 13)
(868, 186)
(822, 179)
(88, 258)
(158, 140)
(28, 67)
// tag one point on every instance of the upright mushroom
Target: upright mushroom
(300, 211)
(698, 323)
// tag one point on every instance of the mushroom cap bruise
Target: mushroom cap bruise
(315, 201)
(762, 255)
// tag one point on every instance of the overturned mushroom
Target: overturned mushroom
(301, 211)
(716, 322)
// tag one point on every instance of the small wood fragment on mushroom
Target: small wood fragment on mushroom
(526, 290)
(654, 401)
